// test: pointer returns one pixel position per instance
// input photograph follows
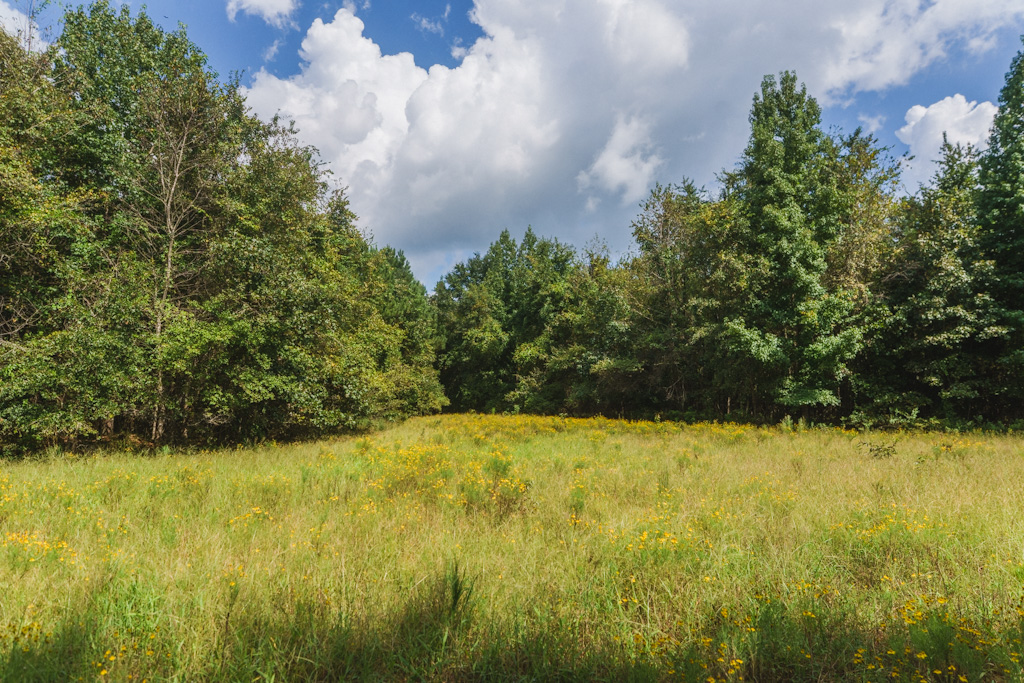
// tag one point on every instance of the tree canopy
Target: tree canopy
(806, 286)
(175, 270)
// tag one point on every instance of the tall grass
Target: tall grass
(519, 548)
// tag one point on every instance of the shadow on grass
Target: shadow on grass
(63, 654)
(437, 636)
(431, 638)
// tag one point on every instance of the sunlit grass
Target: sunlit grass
(466, 547)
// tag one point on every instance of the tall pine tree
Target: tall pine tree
(794, 335)
(1001, 221)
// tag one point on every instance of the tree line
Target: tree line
(807, 287)
(175, 270)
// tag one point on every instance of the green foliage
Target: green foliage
(583, 362)
(1001, 196)
(806, 285)
(493, 311)
(794, 334)
(1001, 237)
(173, 268)
(937, 344)
(690, 278)
(757, 301)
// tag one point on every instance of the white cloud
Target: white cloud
(11, 19)
(961, 121)
(626, 165)
(566, 111)
(882, 43)
(349, 100)
(872, 124)
(428, 25)
(17, 23)
(275, 12)
(645, 36)
(271, 52)
(458, 49)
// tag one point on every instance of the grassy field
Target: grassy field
(521, 548)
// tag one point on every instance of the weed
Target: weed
(880, 450)
(691, 551)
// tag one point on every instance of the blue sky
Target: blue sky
(451, 120)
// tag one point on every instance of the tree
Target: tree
(1001, 218)
(934, 355)
(184, 149)
(490, 310)
(404, 305)
(689, 279)
(174, 268)
(44, 237)
(793, 335)
(25, 97)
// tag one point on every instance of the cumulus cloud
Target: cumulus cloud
(349, 100)
(959, 120)
(564, 107)
(275, 12)
(881, 43)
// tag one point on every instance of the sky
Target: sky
(450, 120)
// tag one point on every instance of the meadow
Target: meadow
(471, 547)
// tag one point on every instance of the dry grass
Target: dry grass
(486, 547)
